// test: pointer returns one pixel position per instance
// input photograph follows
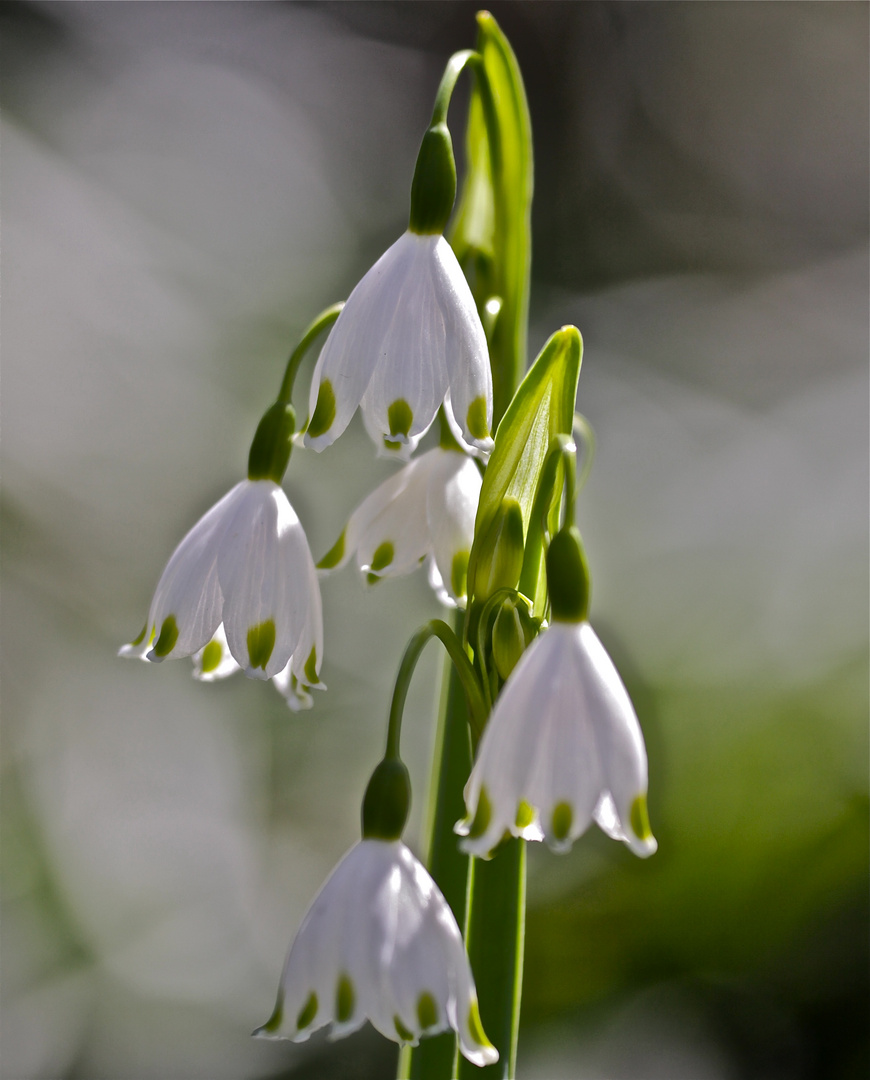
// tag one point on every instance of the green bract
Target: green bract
(568, 576)
(270, 450)
(542, 409)
(387, 801)
(433, 189)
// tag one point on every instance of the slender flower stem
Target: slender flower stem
(586, 434)
(454, 68)
(323, 321)
(464, 670)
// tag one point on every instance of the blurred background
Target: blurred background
(184, 185)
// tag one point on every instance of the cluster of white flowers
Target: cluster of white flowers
(562, 746)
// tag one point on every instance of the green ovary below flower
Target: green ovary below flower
(425, 511)
(240, 591)
(408, 338)
(562, 747)
(380, 942)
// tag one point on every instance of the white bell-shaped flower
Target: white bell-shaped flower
(380, 942)
(247, 565)
(425, 510)
(562, 747)
(408, 334)
(215, 661)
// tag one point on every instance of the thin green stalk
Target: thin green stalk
(323, 321)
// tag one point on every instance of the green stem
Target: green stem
(323, 321)
(464, 670)
(447, 863)
(452, 71)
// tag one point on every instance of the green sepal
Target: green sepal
(491, 234)
(542, 408)
(568, 576)
(433, 189)
(387, 801)
(270, 450)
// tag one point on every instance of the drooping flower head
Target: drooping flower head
(380, 943)
(426, 510)
(408, 336)
(246, 565)
(563, 745)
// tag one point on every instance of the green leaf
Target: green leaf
(492, 231)
(542, 409)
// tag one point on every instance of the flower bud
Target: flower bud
(387, 801)
(568, 576)
(500, 560)
(512, 633)
(270, 450)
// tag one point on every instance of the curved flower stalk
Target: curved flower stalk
(409, 334)
(563, 745)
(380, 942)
(246, 565)
(215, 661)
(426, 510)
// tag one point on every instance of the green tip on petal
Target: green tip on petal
(400, 417)
(307, 1012)
(261, 642)
(211, 656)
(404, 1034)
(335, 554)
(141, 637)
(168, 637)
(525, 815)
(459, 574)
(344, 999)
(427, 1010)
(382, 557)
(639, 817)
(324, 411)
(475, 421)
(482, 815)
(275, 1020)
(310, 668)
(476, 1028)
(563, 816)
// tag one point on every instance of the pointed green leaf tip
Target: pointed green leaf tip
(640, 818)
(344, 999)
(261, 642)
(211, 657)
(168, 637)
(324, 411)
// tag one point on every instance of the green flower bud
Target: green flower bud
(568, 576)
(512, 633)
(501, 553)
(270, 450)
(387, 801)
(433, 189)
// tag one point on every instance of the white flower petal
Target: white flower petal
(265, 571)
(453, 492)
(562, 746)
(482, 454)
(188, 592)
(379, 942)
(308, 654)
(214, 661)
(357, 340)
(395, 540)
(467, 354)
